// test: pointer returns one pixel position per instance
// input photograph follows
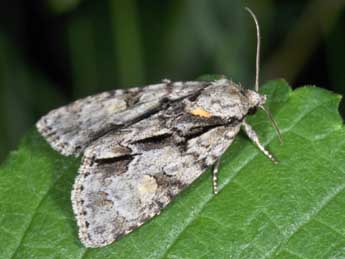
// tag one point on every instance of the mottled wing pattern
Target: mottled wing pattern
(71, 128)
(141, 147)
(117, 192)
(129, 174)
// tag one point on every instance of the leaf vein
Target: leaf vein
(308, 217)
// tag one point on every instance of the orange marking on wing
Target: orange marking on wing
(201, 112)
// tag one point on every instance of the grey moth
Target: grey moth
(142, 146)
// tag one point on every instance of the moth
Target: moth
(140, 147)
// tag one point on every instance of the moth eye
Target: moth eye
(252, 110)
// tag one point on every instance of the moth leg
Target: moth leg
(215, 176)
(254, 137)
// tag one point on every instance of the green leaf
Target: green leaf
(295, 209)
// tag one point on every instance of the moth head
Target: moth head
(254, 100)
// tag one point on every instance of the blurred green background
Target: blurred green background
(54, 51)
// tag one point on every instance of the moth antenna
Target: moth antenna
(275, 126)
(258, 38)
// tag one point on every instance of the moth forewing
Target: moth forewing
(133, 169)
(72, 128)
(130, 174)
(113, 197)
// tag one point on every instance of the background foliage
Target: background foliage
(55, 51)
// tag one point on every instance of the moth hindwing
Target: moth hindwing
(142, 146)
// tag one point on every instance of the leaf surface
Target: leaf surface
(295, 209)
